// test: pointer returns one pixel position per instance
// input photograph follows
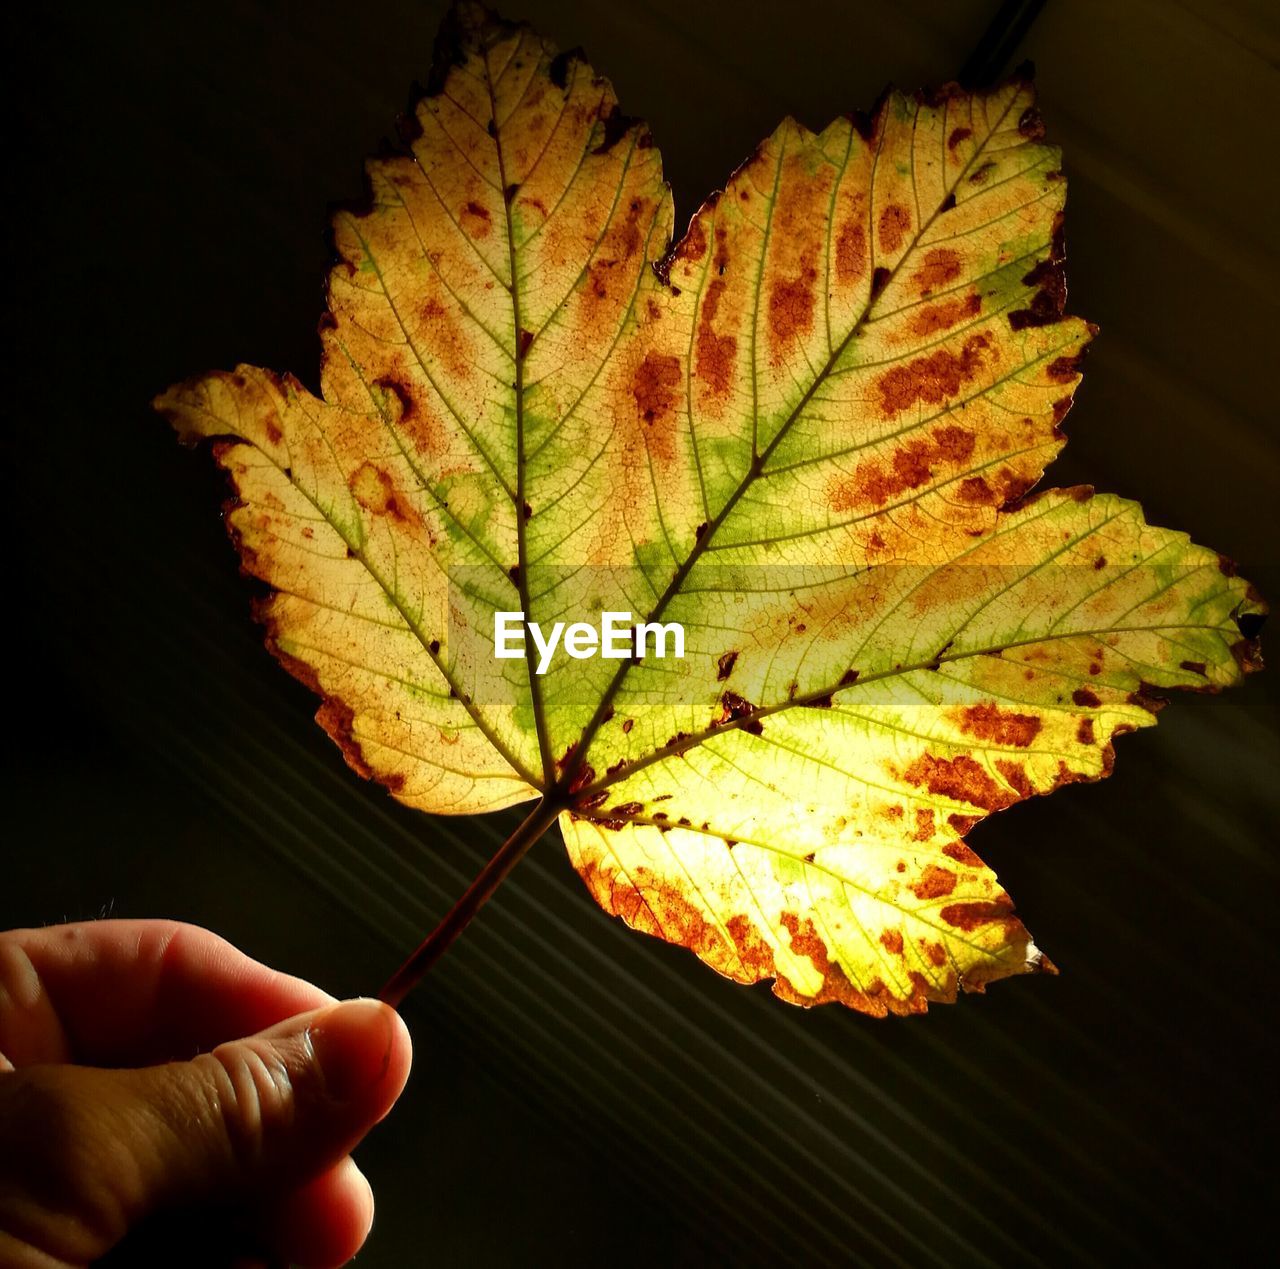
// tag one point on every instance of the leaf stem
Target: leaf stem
(434, 946)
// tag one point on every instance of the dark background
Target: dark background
(583, 1095)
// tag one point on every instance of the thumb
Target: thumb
(241, 1126)
(264, 1113)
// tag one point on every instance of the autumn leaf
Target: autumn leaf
(804, 433)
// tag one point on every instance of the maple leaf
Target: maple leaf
(805, 434)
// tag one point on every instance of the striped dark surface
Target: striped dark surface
(583, 1095)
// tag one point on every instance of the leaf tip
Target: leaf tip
(1038, 962)
(465, 25)
(560, 66)
(866, 123)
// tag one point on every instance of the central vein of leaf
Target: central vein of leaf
(522, 554)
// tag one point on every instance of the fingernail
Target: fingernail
(352, 1046)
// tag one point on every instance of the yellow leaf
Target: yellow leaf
(802, 437)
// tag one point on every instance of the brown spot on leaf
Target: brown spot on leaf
(1031, 125)
(1083, 697)
(943, 316)
(892, 939)
(558, 70)
(724, 667)
(1062, 369)
(933, 378)
(627, 235)
(405, 404)
(975, 489)
(836, 986)
(419, 424)
(940, 266)
(851, 252)
(924, 823)
(374, 490)
(694, 244)
(656, 388)
(475, 219)
(1051, 280)
(795, 248)
(735, 708)
(653, 905)
(616, 126)
(338, 719)
(1016, 776)
(1002, 727)
(895, 222)
(1043, 310)
(960, 778)
(960, 852)
(445, 339)
(713, 363)
(299, 669)
(934, 883)
(957, 135)
(791, 303)
(910, 467)
(968, 916)
(1145, 698)
(602, 279)
(1084, 732)
(752, 947)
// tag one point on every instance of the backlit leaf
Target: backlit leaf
(806, 433)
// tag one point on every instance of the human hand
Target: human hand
(132, 1112)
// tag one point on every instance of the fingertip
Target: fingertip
(401, 1054)
(399, 1061)
(364, 1052)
